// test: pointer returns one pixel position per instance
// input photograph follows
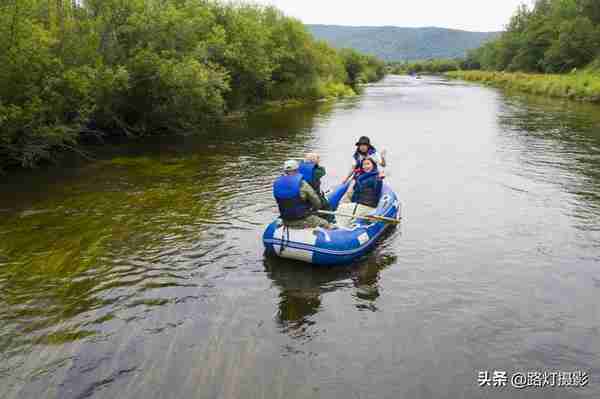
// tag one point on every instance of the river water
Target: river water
(141, 274)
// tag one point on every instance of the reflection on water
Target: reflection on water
(88, 251)
(302, 287)
(142, 275)
(558, 142)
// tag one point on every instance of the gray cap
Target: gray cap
(290, 165)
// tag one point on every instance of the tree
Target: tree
(591, 9)
(578, 43)
(554, 36)
(145, 66)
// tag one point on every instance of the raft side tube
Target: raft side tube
(331, 246)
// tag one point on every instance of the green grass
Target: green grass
(336, 90)
(582, 86)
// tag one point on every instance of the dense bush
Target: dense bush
(429, 66)
(146, 66)
(554, 36)
(361, 68)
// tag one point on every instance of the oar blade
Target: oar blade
(335, 197)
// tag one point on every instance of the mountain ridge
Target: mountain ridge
(395, 43)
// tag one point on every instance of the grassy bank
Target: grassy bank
(582, 86)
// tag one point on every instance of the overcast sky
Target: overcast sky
(474, 15)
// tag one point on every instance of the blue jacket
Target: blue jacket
(367, 189)
(286, 191)
(307, 170)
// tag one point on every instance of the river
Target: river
(141, 274)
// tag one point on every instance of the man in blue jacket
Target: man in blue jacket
(296, 199)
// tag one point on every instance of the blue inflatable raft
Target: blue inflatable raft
(338, 246)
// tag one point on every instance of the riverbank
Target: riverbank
(339, 92)
(582, 86)
(78, 71)
(91, 147)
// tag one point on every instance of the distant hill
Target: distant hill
(402, 44)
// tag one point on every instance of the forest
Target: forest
(427, 66)
(551, 49)
(72, 71)
(554, 36)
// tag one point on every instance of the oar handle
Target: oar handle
(366, 217)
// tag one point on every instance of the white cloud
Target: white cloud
(475, 15)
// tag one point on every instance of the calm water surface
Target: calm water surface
(142, 275)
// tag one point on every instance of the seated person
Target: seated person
(296, 199)
(363, 196)
(313, 172)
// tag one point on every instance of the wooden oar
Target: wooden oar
(368, 217)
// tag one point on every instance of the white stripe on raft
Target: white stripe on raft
(282, 238)
(306, 244)
(288, 244)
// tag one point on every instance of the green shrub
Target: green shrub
(143, 66)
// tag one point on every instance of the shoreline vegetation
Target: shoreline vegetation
(434, 66)
(71, 72)
(551, 49)
(583, 86)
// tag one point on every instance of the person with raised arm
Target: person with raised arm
(365, 150)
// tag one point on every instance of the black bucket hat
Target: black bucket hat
(364, 140)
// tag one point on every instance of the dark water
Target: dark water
(141, 274)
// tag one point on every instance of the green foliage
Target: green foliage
(578, 43)
(591, 8)
(554, 36)
(361, 68)
(583, 85)
(147, 66)
(429, 66)
(171, 94)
